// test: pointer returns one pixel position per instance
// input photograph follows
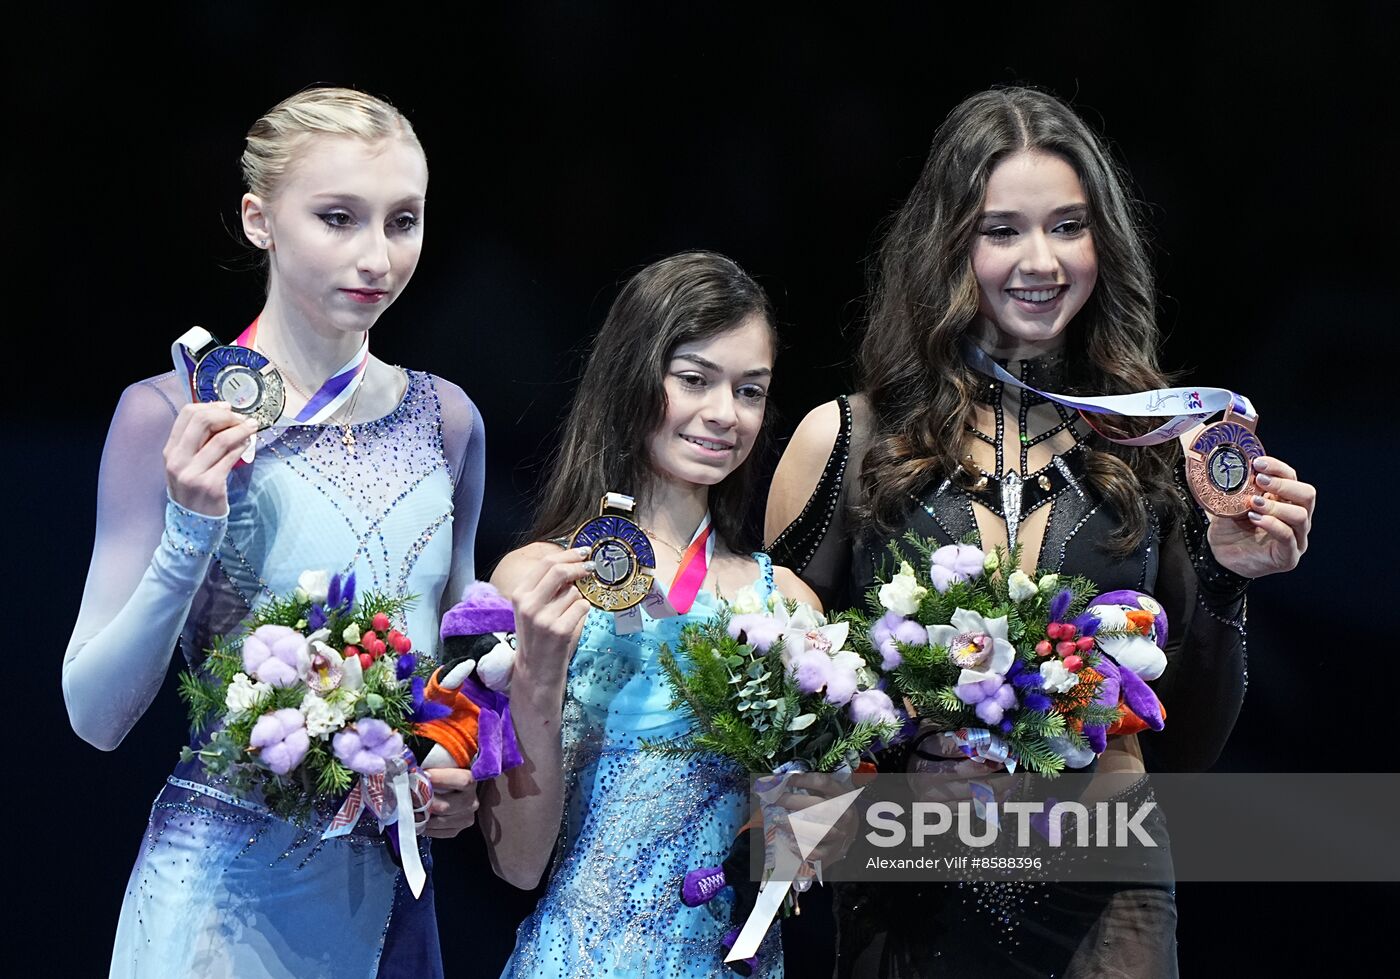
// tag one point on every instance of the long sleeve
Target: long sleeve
(149, 557)
(464, 446)
(1204, 683)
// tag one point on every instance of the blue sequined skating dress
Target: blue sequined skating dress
(635, 823)
(221, 889)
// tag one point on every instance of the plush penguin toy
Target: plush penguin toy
(473, 725)
(1131, 630)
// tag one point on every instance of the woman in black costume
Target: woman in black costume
(1019, 236)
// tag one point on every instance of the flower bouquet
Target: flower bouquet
(317, 690)
(1009, 668)
(772, 687)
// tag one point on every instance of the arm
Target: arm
(793, 587)
(806, 516)
(150, 554)
(521, 810)
(455, 794)
(1206, 676)
(464, 446)
(1205, 568)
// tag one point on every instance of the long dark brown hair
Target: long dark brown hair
(621, 398)
(925, 300)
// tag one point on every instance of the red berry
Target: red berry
(1064, 648)
(351, 651)
(380, 621)
(366, 661)
(1084, 643)
(1054, 630)
(368, 639)
(379, 648)
(400, 642)
(1043, 648)
(1074, 664)
(1069, 630)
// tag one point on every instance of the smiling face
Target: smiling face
(716, 391)
(1034, 254)
(344, 230)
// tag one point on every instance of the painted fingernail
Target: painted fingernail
(1259, 501)
(1260, 464)
(582, 550)
(1262, 480)
(1256, 517)
(590, 565)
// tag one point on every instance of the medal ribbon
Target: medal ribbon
(1186, 407)
(694, 566)
(339, 387)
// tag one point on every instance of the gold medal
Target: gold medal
(621, 553)
(1220, 464)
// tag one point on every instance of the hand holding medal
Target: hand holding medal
(622, 556)
(236, 375)
(1226, 468)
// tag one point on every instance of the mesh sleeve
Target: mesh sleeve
(149, 558)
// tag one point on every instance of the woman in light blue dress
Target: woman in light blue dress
(670, 407)
(387, 486)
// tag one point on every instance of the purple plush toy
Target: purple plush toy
(1130, 628)
(478, 643)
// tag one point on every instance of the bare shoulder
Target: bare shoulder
(793, 587)
(800, 468)
(516, 568)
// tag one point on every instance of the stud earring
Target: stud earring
(263, 243)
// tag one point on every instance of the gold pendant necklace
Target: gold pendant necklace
(347, 437)
(680, 551)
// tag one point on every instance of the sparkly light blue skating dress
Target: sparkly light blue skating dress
(221, 889)
(635, 823)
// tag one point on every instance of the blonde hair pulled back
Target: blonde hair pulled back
(274, 140)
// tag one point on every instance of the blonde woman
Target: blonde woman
(389, 487)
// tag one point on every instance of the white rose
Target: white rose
(316, 585)
(353, 633)
(1049, 583)
(322, 716)
(1055, 678)
(903, 592)
(243, 694)
(746, 601)
(1020, 587)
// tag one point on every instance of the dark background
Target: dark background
(569, 145)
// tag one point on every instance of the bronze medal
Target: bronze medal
(1220, 465)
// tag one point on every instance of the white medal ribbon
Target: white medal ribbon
(784, 849)
(324, 403)
(393, 808)
(1185, 406)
